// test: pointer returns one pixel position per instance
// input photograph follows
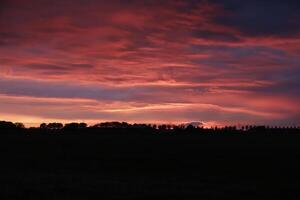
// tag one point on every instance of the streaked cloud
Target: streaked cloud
(154, 61)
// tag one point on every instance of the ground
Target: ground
(149, 166)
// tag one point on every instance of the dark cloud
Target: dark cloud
(54, 69)
(81, 66)
(215, 36)
(44, 67)
(13, 38)
(33, 88)
(262, 17)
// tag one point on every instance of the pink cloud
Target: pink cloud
(153, 62)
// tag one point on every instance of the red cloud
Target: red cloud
(171, 56)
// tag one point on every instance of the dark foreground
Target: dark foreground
(149, 166)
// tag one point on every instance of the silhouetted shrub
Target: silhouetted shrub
(43, 126)
(74, 126)
(7, 125)
(112, 125)
(55, 126)
(19, 125)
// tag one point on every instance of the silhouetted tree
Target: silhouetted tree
(190, 128)
(55, 126)
(82, 125)
(169, 126)
(181, 126)
(7, 125)
(141, 126)
(43, 126)
(19, 125)
(75, 126)
(162, 127)
(112, 125)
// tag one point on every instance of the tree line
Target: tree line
(5, 125)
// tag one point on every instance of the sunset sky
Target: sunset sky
(220, 62)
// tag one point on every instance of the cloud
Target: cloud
(46, 100)
(204, 59)
(262, 17)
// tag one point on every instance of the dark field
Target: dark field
(117, 165)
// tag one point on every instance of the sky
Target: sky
(220, 62)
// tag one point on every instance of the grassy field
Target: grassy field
(147, 166)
